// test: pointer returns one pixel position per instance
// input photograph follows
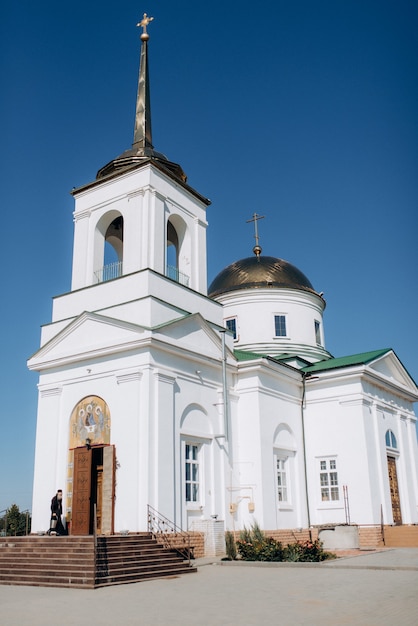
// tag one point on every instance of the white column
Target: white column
(199, 261)
(80, 250)
(125, 434)
(133, 240)
(46, 456)
(162, 445)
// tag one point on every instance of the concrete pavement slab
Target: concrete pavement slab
(244, 595)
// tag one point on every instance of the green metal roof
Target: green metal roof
(344, 361)
(243, 355)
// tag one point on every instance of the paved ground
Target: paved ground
(375, 589)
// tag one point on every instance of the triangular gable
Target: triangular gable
(390, 366)
(194, 333)
(88, 336)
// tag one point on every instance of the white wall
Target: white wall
(255, 309)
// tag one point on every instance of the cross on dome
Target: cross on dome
(257, 248)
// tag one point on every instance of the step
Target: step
(51, 581)
(113, 579)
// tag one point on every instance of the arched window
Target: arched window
(177, 245)
(113, 252)
(284, 451)
(172, 250)
(391, 440)
(109, 247)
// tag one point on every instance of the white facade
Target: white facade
(266, 427)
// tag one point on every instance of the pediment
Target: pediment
(391, 367)
(88, 336)
(194, 333)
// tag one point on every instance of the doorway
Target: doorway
(93, 490)
(394, 491)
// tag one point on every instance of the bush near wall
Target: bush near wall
(256, 545)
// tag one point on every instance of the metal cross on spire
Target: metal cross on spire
(257, 248)
(144, 23)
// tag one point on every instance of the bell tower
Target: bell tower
(140, 213)
(109, 359)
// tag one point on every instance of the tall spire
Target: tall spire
(142, 150)
(143, 132)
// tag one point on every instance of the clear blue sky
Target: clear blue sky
(305, 112)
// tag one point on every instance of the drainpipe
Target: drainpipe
(304, 450)
(225, 386)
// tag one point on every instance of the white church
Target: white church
(204, 403)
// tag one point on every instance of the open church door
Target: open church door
(108, 491)
(80, 519)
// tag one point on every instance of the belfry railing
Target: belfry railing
(168, 534)
(109, 272)
(174, 274)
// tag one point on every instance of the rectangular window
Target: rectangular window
(192, 472)
(280, 325)
(231, 325)
(329, 480)
(282, 486)
(318, 332)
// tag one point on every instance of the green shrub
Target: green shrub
(253, 545)
(230, 546)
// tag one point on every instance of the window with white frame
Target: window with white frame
(280, 326)
(328, 476)
(282, 479)
(318, 332)
(391, 440)
(192, 484)
(231, 325)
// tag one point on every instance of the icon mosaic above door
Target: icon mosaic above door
(90, 420)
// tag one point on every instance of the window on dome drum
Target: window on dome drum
(329, 480)
(280, 325)
(231, 325)
(282, 482)
(391, 440)
(318, 332)
(192, 472)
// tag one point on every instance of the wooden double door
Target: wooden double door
(394, 491)
(93, 490)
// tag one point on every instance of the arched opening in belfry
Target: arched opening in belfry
(175, 250)
(172, 246)
(110, 233)
(114, 241)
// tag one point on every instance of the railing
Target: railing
(175, 274)
(168, 534)
(108, 272)
(4, 529)
(95, 541)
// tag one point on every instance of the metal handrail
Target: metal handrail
(95, 540)
(109, 272)
(174, 273)
(5, 522)
(166, 532)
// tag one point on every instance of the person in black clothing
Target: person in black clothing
(56, 525)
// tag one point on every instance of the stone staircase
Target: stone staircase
(71, 562)
(131, 558)
(401, 536)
